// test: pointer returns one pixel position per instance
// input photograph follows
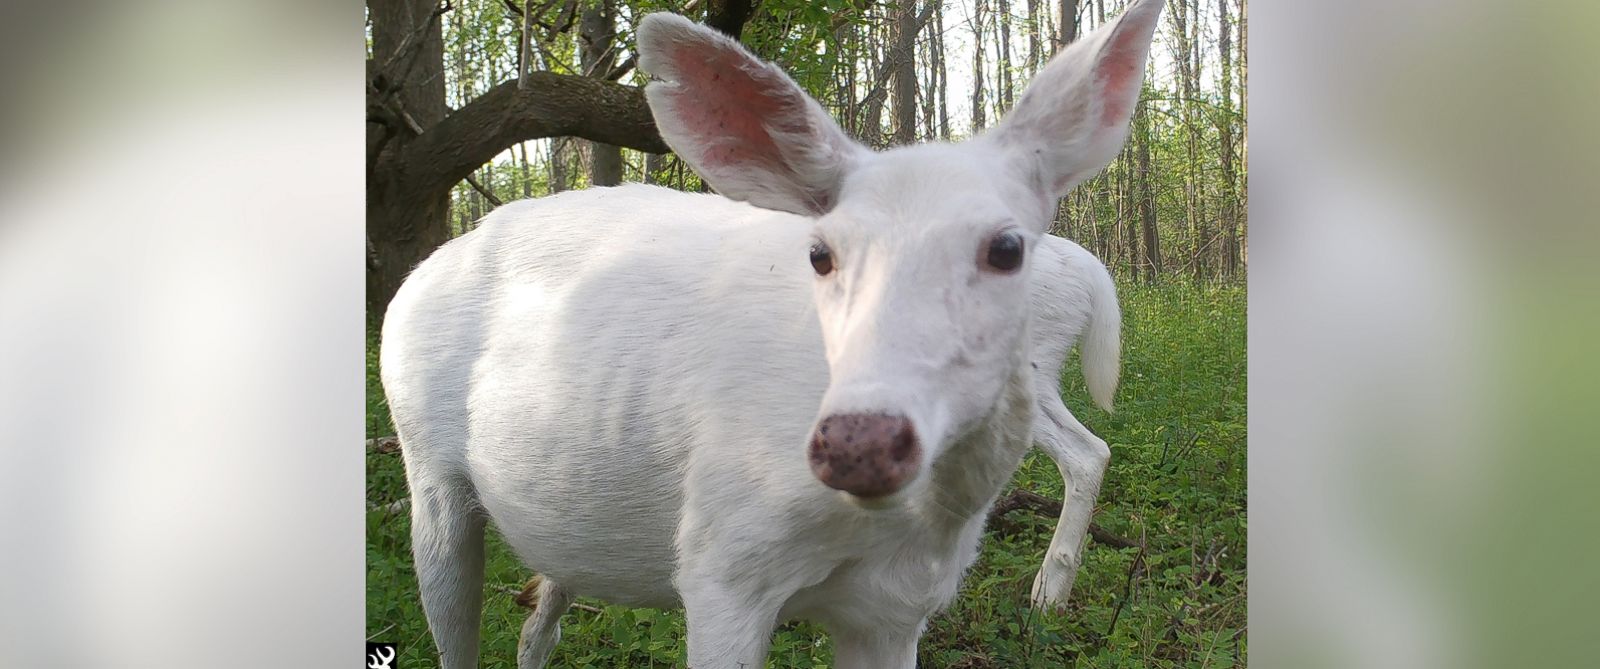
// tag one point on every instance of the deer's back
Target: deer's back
(574, 355)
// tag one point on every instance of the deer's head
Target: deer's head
(920, 254)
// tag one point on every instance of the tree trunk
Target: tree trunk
(1033, 36)
(1228, 211)
(560, 172)
(652, 167)
(1188, 24)
(977, 67)
(1244, 125)
(598, 29)
(844, 78)
(1196, 74)
(404, 225)
(1130, 229)
(527, 171)
(902, 71)
(1147, 200)
(1099, 237)
(845, 75)
(475, 209)
(927, 90)
(729, 16)
(871, 127)
(1003, 56)
(1068, 24)
(944, 74)
(524, 46)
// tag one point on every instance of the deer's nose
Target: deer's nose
(867, 455)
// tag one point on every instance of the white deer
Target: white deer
(660, 403)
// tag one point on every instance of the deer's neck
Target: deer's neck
(969, 477)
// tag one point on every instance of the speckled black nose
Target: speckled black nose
(867, 455)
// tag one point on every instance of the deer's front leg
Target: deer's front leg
(729, 627)
(736, 570)
(880, 647)
(1082, 459)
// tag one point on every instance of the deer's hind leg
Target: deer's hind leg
(1082, 458)
(542, 630)
(447, 543)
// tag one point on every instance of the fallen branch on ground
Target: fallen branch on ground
(1044, 506)
(389, 444)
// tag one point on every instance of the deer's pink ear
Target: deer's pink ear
(1074, 116)
(740, 122)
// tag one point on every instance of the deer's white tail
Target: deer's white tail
(1101, 347)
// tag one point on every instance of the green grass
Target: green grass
(1176, 480)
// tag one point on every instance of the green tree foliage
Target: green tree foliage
(837, 50)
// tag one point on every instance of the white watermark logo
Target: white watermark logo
(380, 656)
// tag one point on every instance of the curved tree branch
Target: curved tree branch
(552, 105)
(547, 104)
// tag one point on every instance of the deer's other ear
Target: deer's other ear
(740, 122)
(1074, 116)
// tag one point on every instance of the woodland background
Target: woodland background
(464, 113)
(471, 103)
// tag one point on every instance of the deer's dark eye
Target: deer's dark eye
(821, 258)
(1005, 251)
